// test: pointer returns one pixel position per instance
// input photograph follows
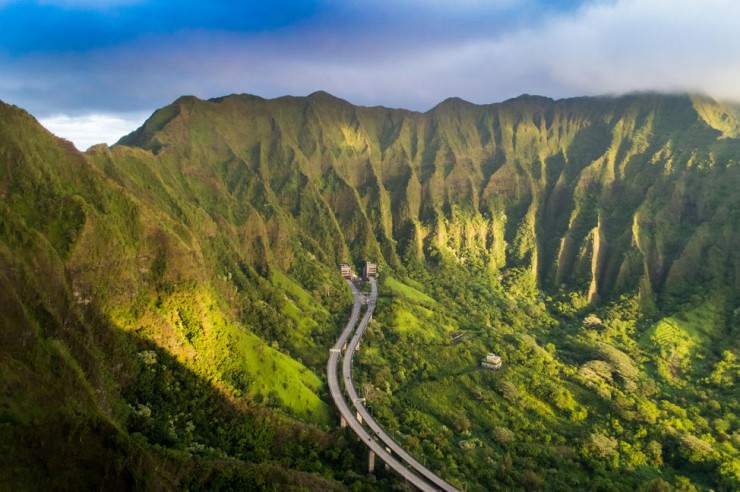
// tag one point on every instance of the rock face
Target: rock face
(190, 270)
(602, 195)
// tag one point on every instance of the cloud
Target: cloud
(604, 47)
(407, 56)
(637, 45)
(90, 129)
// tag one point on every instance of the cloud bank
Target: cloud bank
(90, 129)
(410, 54)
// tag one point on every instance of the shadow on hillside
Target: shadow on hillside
(85, 405)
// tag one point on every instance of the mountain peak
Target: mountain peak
(242, 96)
(186, 100)
(324, 97)
(723, 117)
(529, 100)
(453, 103)
(321, 94)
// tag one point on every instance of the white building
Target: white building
(491, 361)
(370, 270)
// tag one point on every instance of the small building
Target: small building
(491, 361)
(345, 270)
(370, 270)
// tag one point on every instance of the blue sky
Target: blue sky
(93, 70)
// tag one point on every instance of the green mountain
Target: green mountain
(602, 195)
(167, 302)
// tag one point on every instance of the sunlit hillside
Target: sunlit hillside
(167, 303)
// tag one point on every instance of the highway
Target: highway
(346, 412)
(362, 411)
(423, 482)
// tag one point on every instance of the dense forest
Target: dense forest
(167, 303)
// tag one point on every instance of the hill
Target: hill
(168, 301)
(602, 195)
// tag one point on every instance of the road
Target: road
(371, 440)
(362, 411)
(346, 412)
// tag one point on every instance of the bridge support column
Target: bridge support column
(342, 422)
(371, 462)
(359, 417)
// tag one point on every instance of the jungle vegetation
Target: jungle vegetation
(166, 303)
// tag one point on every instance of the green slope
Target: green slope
(139, 344)
(169, 300)
(600, 194)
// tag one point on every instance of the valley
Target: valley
(167, 302)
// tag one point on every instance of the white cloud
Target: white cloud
(621, 46)
(603, 47)
(636, 45)
(90, 129)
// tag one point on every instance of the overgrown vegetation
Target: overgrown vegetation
(166, 304)
(583, 400)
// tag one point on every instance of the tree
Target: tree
(655, 451)
(694, 449)
(601, 446)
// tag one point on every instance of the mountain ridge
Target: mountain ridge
(479, 154)
(168, 301)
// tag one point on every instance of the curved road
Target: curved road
(362, 411)
(344, 409)
(380, 450)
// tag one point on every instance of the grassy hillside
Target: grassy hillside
(604, 398)
(140, 346)
(168, 301)
(601, 195)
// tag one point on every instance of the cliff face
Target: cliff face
(182, 285)
(135, 331)
(598, 194)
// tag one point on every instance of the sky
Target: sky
(93, 70)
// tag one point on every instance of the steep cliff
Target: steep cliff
(603, 195)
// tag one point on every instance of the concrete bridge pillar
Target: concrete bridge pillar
(371, 462)
(359, 417)
(342, 422)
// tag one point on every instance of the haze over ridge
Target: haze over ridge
(135, 56)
